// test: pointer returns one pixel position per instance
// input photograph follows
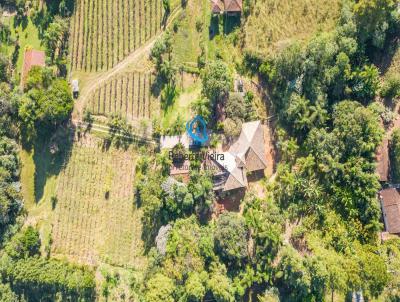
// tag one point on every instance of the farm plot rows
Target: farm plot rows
(95, 218)
(127, 95)
(103, 32)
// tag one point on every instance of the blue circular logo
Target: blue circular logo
(197, 129)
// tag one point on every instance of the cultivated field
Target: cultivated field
(95, 218)
(273, 24)
(127, 95)
(103, 32)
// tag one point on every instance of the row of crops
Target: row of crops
(94, 217)
(103, 32)
(127, 95)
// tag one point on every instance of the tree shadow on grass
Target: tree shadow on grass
(165, 19)
(21, 20)
(168, 97)
(51, 154)
(231, 22)
(157, 86)
(213, 30)
(166, 91)
(383, 58)
(228, 24)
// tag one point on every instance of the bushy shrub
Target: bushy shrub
(235, 107)
(24, 244)
(231, 238)
(217, 80)
(391, 86)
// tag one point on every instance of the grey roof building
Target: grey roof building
(247, 154)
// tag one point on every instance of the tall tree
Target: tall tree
(231, 236)
(217, 80)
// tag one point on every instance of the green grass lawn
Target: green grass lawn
(187, 37)
(40, 168)
(28, 177)
(28, 37)
(196, 27)
(181, 106)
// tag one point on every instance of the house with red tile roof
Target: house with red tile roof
(217, 7)
(226, 6)
(32, 58)
(233, 6)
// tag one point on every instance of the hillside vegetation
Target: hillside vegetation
(99, 218)
(274, 24)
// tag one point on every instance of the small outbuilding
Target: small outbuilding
(32, 58)
(230, 7)
(75, 88)
(233, 6)
(217, 7)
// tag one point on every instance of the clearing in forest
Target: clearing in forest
(95, 218)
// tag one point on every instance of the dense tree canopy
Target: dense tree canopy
(55, 37)
(46, 102)
(374, 18)
(6, 294)
(159, 288)
(217, 80)
(33, 278)
(10, 198)
(24, 244)
(231, 238)
(173, 199)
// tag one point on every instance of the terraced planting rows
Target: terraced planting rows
(95, 217)
(127, 95)
(103, 32)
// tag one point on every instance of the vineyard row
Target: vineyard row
(103, 32)
(128, 95)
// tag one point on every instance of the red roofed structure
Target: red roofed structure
(233, 6)
(226, 6)
(32, 58)
(217, 7)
